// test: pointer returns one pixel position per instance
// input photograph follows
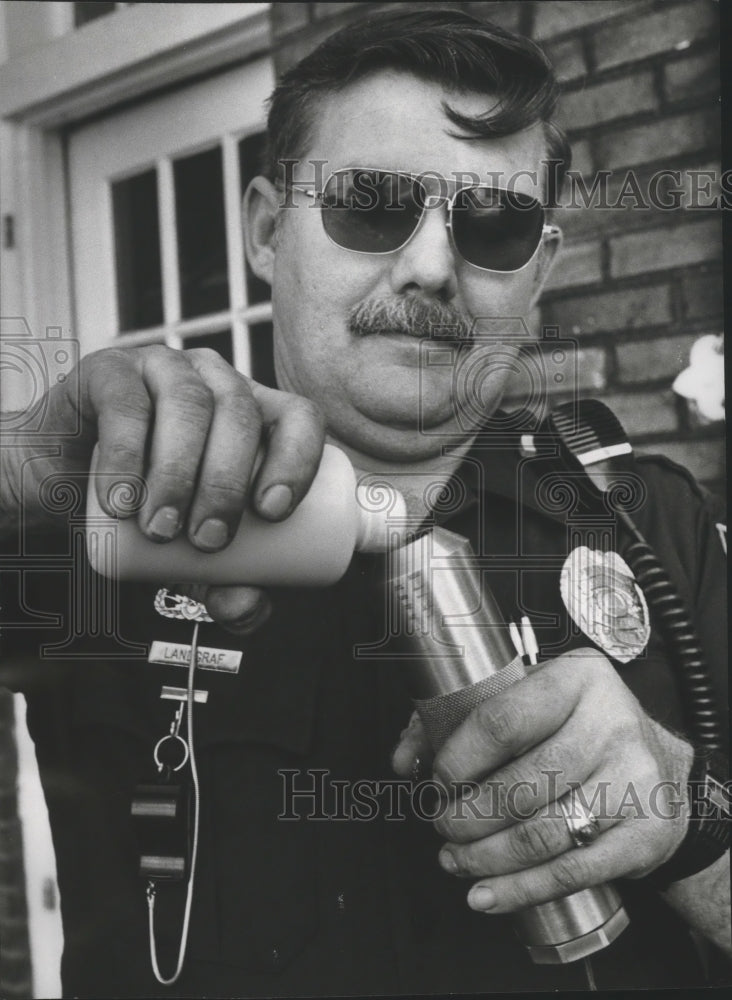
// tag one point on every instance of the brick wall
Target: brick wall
(15, 968)
(635, 287)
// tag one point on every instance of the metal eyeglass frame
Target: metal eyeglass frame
(548, 229)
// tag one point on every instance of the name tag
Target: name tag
(224, 660)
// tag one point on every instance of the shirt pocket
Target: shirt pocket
(259, 869)
(256, 891)
(263, 867)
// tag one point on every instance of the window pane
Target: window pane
(220, 341)
(202, 257)
(260, 337)
(251, 157)
(137, 251)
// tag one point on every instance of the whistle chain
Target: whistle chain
(190, 757)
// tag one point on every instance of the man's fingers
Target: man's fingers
(230, 453)
(413, 749)
(536, 839)
(508, 724)
(613, 855)
(193, 427)
(184, 409)
(114, 395)
(239, 609)
(296, 435)
(517, 789)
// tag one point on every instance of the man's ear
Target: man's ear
(259, 215)
(550, 245)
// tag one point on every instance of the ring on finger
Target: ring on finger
(582, 825)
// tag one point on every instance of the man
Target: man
(368, 271)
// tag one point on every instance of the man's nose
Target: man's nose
(427, 263)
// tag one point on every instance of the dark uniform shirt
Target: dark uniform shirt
(344, 902)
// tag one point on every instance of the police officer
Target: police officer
(365, 265)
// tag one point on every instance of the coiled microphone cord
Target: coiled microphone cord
(677, 628)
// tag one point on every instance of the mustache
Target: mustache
(411, 315)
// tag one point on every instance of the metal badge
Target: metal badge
(603, 599)
(180, 607)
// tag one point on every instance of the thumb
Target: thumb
(413, 752)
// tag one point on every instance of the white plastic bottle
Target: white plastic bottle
(312, 547)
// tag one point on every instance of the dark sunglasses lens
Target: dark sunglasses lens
(372, 211)
(496, 229)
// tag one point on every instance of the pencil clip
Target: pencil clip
(528, 637)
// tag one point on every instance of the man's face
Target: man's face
(375, 388)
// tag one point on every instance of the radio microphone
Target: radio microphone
(463, 655)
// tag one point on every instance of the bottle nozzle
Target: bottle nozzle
(382, 515)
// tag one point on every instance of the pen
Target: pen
(516, 638)
(529, 640)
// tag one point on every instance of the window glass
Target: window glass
(219, 341)
(260, 339)
(137, 251)
(201, 225)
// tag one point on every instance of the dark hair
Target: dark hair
(449, 47)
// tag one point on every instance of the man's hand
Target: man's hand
(191, 426)
(571, 723)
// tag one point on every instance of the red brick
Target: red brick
(7, 712)
(567, 57)
(288, 17)
(658, 140)
(586, 371)
(506, 15)
(610, 311)
(585, 223)
(653, 360)
(582, 224)
(8, 797)
(636, 198)
(592, 368)
(582, 157)
(658, 249)
(577, 264)
(567, 15)
(18, 989)
(702, 184)
(674, 27)
(12, 904)
(702, 295)
(616, 99)
(705, 459)
(15, 935)
(15, 980)
(696, 76)
(644, 413)
(19, 986)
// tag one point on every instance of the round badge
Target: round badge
(603, 599)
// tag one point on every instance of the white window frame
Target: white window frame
(117, 58)
(99, 156)
(126, 55)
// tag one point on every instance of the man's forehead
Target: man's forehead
(396, 120)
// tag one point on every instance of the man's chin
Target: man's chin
(395, 435)
(408, 412)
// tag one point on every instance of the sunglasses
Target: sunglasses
(374, 211)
